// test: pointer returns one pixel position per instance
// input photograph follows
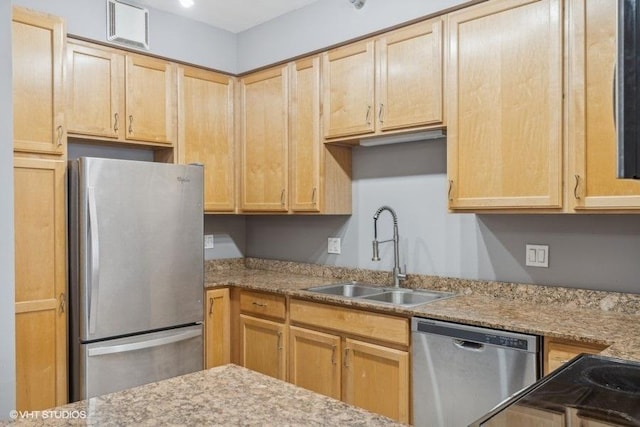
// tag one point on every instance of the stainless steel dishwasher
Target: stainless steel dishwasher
(461, 372)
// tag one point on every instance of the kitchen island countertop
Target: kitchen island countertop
(228, 395)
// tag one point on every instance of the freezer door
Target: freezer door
(115, 365)
(140, 247)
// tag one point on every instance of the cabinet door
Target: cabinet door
(38, 55)
(348, 83)
(504, 143)
(206, 133)
(150, 100)
(410, 77)
(304, 144)
(377, 378)
(217, 328)
(264, 140)
(95, 91)
(592, 136)
(262, 346)
(40, 253)
(557, 352)
(315, 362)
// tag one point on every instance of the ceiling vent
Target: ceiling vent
(127, 24)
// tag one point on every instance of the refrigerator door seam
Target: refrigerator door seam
(95, 261)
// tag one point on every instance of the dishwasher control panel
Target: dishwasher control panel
(478, 335)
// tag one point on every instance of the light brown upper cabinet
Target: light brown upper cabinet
(38, 100)
(119, 95)
(592, 139)
(206, 133)
(389, 84)
(264, 110)
(95, 91)
(505, 106)
(319, 175)
(285, 166)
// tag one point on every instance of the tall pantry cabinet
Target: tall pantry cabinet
(39, 204)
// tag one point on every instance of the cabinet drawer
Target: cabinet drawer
(263, 304)
(376, 326)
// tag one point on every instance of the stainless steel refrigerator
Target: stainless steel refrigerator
(136, 273)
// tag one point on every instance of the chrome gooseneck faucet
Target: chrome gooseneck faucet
(398, 275)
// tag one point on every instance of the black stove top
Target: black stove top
(590, 390)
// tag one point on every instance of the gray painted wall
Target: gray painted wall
(325, 23)
(229, 236)
(586, 251)
(7, 282)
(170, 35)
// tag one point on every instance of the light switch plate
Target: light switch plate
(208, 241)
(537, 256)
(333, 245)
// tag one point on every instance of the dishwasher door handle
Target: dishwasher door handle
(468, 345)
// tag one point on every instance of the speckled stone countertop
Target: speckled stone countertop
(225, 396)
(598, 317)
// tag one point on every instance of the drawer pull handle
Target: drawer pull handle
(259, 304)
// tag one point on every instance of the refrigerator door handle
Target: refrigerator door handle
(95, 261)
(157, 342)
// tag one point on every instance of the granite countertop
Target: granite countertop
(523, 311)
(226, 395)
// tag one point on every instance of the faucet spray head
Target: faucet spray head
(376, 254)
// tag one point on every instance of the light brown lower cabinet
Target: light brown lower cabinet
(263, 346)
(333, 356)
(315, 361)
(41, 295)
(217, 328)
(557, 352)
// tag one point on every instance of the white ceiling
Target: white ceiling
(231, 15)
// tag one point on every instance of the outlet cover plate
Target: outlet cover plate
(208, 241)
(333, 245)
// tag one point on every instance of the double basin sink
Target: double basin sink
(402, 297)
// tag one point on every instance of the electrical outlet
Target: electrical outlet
(333, 245)
(208, 241)
(537, 256)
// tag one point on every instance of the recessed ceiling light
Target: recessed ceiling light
(186, 3)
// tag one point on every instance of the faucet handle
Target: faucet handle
(402, 274)
(376, 252)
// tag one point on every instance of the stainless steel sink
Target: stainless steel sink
(347, 289)
(379, 294)
(407, 297)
